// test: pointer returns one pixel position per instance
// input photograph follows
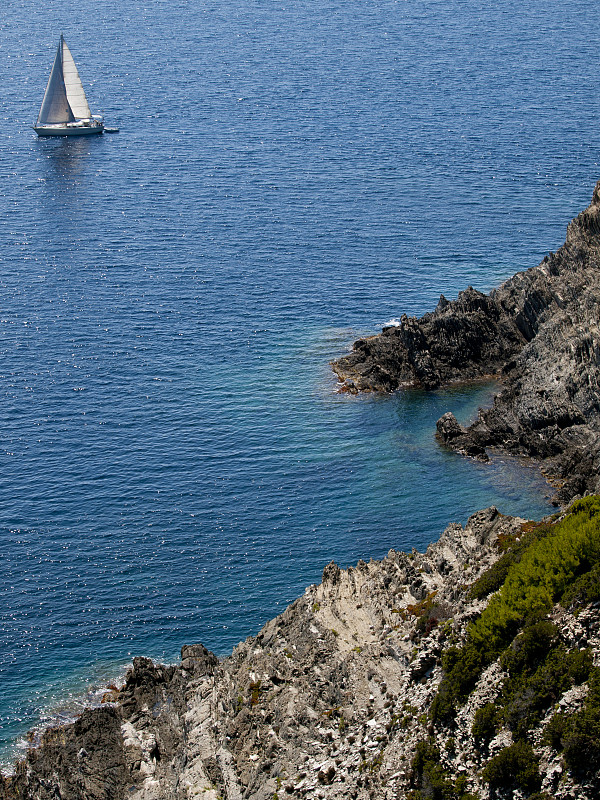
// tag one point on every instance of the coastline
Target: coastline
(537, 333)
(332, 698)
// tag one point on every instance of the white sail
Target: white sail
(75, 94)
(55, 105)
(65, 110)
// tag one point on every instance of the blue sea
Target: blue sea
(176, 465)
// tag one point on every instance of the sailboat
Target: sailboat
(65, 110)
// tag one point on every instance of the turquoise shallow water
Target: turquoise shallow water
(175, 463)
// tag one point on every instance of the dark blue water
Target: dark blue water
(175, 463)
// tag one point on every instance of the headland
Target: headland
(538, 333)
(469, 671)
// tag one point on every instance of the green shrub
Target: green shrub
(426, 753)
(584, 590)
(493, 578)
(431, 780)
(528, 696)
(485, 724)
(428, 776)
(554, 731)
(578, 734)
(515, 766)
(540, 670)
(548, 563)
(551, 560)
(462, 666)
(529, 648)
(547, 568)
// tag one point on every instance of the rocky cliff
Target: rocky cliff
(471, 671)
(538, 333)
(343, 695)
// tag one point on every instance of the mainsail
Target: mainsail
(55, 105)
(64, 100)
(75, 94)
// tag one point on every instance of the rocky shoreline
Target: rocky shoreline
(538, 333)
(330, 700)
(339, 696)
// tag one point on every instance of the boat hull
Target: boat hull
(68, 130)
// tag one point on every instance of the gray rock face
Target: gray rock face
(458, 438)
(538, 333)
(85, 759)
(469, 338)
(328, 701)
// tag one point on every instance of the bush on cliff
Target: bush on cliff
(431, 780)
(515, 767)
(527, 695)
(512, 548)
(584, 590)
(484, 724)
(539, 670)
(578, 734)
(545, 572)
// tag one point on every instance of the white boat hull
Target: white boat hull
(70, 129)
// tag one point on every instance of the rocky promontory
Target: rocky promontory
(538, 333)
(352, 691)
(468, 672)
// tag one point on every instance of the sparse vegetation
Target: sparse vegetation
(578, 734)
(515, 766)
(373, 765)
(429, 614)
(431, 781)
(254, 689)
(556, 559)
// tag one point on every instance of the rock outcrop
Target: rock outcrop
(329, 700)
(538, 333)
(349, 693)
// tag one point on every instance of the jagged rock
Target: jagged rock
(328, 700)
(331, 698)
(331, 573)
(448, 428)
(197, 659)
(82, 760)
(468, 338)
(539, 333)
(450, 433)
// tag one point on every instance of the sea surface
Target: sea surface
(175, 463)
